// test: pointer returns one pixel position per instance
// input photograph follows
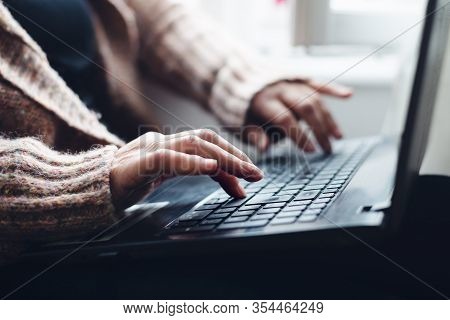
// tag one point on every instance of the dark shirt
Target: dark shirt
(65, 32)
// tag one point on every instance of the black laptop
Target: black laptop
(363, 187)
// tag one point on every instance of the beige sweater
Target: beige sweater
(55, 155)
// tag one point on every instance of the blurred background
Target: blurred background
(373, 42)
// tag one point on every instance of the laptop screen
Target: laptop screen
(423, 96)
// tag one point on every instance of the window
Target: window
(354, 22)
(271, 25)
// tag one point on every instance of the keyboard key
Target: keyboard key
(317, 187)
(287, 214)
(269, 190)
(249, 207)
(322, 200)
(268, 210)
(208, 207)
(294, 187)
(219, 215)
(319, 182)
(334, 185)
(252, 189)
(331, 190)
(300, 202)
(314, 212)
(262, 199)
(298, 209)
(307, 195)
(298, 181)
(236, 219)
(195, 215)
(235, 203)
(321, 176)
(243, 225)
(274, 205)
(225, 210)
(327, 195)
(263, 216)
(307, 218)
(277, 185)
(281, 221)
(318, 205)
(243, 213)
(287, 192)
(211, 221)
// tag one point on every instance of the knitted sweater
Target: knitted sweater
(55, 154)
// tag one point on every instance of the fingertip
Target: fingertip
(344, 92)
(241, 191)
(338, 134)
(309, 147)
(263, 143)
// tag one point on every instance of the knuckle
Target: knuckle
(208, 133)
(192, 139)
(153, 146)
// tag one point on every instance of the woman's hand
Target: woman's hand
(145, 162)
(276, 111)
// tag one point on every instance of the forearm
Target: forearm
(197, 57)
(45, 195)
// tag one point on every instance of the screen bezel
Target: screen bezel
(423, 95)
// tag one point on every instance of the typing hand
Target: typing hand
(145, 162)
(276, 111)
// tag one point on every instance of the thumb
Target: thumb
(256, 136)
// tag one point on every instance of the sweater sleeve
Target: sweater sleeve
(46, 195)
(193, 54)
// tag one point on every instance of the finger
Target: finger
(329, 121)
(331, 90)
(325, 125)
(311, 115)
(215, 138)
(256, 136)
(230, 184)
(192, 144)
(285, 119)
(173, 163)
(297, 94)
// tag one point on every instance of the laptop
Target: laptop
(363, 187)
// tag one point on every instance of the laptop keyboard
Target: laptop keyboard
(285, 196)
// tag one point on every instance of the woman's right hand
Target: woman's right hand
(145, 162)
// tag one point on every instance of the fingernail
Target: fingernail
(252, 171)
(242, 191)
(258, 170)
